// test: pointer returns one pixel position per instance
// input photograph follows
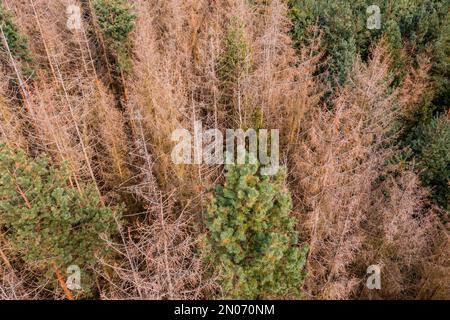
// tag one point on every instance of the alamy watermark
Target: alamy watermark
(208, 147)
(374, 280)
(374, 19)
(73, 17)
(73, 281)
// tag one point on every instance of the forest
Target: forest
(93, 205)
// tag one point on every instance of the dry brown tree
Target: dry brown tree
(73, 116)
(11, 125)
(406, 238)
(352, 218)
(157, 258)
(336, 165)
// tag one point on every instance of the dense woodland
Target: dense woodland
(86, 176)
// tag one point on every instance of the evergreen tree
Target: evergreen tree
(432, 148)
(17, 44)
(47, 222)
(251, 240)
(232, 67)
(417, 23)
(117, 20)
(441, 69)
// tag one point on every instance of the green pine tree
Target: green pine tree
(46, 220)
(416, 23)
(432, 149)
(252, 239)
(116, 20)
(18, 44)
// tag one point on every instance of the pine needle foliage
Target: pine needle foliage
(17, 44)
(116, 20)
(414, 24)
(251, 235)
(47, 221)
(433, 158)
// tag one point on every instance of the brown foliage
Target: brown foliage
(157, 259)
(336, 165)
(351, 219)
(405, 238)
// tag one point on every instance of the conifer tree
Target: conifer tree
(432, 148)
(16, 43)
(116, 20)
(47, 222)
(252, 239)
(416, 23)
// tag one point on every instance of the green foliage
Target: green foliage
(339, 27)
(252, 241)
(116, 20)
(418, 23)
(234, 60)
(46, 220)
(441, 69)
(17, 44)
(432, 150)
